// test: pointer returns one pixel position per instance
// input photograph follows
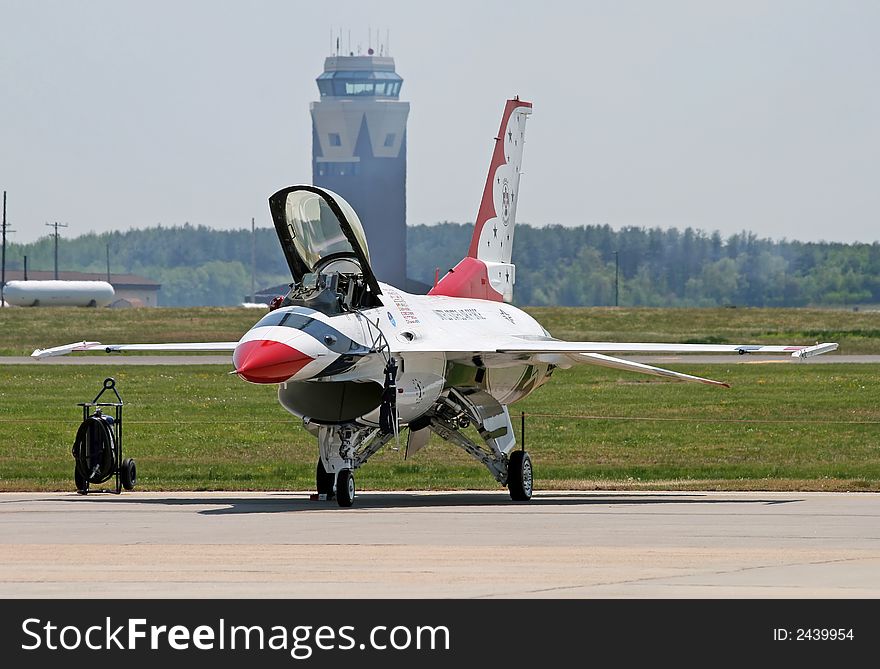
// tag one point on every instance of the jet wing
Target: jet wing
(559, 352)
(190, 347)
(551, 346)
(593, 353)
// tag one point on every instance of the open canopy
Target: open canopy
(320, 233)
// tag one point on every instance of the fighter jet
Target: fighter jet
(361, 362)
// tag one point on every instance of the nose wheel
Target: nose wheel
(519, 476)
(345, 488)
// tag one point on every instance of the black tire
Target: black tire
(82, 484)
(128, 473)
(519, 476)
(323, 480)
(345, 488)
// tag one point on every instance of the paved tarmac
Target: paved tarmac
(472, 545)
(121, 359)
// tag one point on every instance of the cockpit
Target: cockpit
(326, 248)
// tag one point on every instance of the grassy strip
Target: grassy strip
(23, 330)
(197, 428)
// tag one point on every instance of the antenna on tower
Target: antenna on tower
(387, 41)
(369, 38)
(350, 52)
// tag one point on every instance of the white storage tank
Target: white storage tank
(58, 293)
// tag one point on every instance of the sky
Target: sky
(729, 116)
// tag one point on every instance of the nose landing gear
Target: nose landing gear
(344, 448)
(345, 488)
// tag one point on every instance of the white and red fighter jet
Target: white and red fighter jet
(358, 360)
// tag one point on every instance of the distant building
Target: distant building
(136, 290)
(265, 295)
(359, 151)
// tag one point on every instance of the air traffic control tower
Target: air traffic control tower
(359, 151)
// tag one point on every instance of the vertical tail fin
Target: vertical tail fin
(487, 272)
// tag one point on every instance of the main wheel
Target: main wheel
(323, 480)
(128, 472)
(345, 487)
(82, 483)
(519, 476)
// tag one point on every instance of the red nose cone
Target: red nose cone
(266, 361)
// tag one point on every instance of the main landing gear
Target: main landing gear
(460, 408)
(519, 476)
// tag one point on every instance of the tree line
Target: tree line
(558, 265)
(555, 265)
(196, 265)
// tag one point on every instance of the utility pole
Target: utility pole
(6, 229)
(108, 262)
(617, 278)
(253, 259)
(56, 225)
(3, 277)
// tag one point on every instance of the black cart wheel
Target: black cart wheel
(323, 480)
(519, 476)
(345, 488)
(82, 484)
(129, 474)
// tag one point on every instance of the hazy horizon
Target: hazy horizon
(754, 116)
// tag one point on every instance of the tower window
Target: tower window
(389, 139)
(335, 139)
(340, 169)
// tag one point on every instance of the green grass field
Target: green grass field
(781, 426)
(23, 330)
